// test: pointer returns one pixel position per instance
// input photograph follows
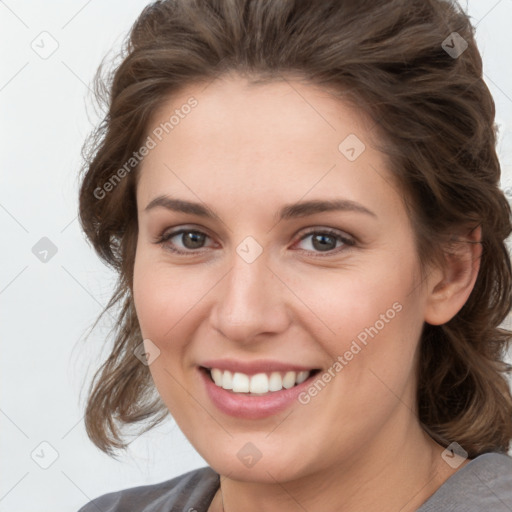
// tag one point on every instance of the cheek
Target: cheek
(150, 303)
(160, 304)
(160, 296)
(155, 298)
(169, 300)
(346, 301)
(368, 321)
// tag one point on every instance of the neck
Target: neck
(399, 474)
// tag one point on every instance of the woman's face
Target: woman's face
(295, 254)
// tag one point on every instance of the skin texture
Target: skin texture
(245, 151)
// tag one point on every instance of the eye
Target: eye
(191, 240)
(325, 241)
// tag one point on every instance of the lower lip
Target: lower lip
(253, 407)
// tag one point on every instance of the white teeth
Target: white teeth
(227, 380)
(302, 376)
(240, 383)
(289, 380)
(259, 383)
(275, 382)
(217, 376)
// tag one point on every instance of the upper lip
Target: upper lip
(253, 367)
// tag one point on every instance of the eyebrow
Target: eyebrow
(289, 211)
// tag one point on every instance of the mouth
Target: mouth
(258, 384)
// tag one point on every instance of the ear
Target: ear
(448, 288)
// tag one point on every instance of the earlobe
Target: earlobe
(450, 287)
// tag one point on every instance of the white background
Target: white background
(46, 308)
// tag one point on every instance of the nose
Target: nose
(251, 302)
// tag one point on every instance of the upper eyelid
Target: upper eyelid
(167, 234)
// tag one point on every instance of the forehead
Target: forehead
(282, 138)
(277, 115)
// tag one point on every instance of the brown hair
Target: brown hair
(435, 116)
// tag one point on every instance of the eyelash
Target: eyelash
(163, 238)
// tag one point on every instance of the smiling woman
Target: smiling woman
(312, 261)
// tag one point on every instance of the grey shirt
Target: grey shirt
(484, 484)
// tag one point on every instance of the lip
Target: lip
(243, 405)
(254, 367)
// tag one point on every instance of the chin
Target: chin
(265, 464)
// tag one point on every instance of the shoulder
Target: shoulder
(191, 491)
(485, 483)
